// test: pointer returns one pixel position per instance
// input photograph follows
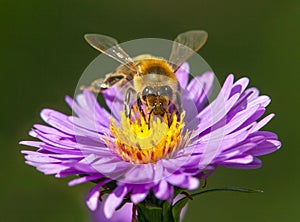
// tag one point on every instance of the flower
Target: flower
(114, 152)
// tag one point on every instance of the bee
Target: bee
(152, 79)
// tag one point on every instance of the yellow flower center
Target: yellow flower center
(136, 142)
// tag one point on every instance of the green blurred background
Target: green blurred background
(43, 55)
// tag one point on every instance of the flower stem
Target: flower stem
(187, 195)
(134, 213)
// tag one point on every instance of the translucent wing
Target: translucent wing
(110, 47)
(185, 45)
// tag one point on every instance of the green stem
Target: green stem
(134, 213)
(236, 189)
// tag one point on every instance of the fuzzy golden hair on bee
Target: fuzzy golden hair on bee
(148, 64)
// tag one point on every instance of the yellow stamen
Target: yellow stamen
(137, 143)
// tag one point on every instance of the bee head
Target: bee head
(157, 98)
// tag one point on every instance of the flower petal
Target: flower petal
(114, 199)
(139, 193)
(122, 215)
(161, 190)
(182, 75)
(200, 89)
(92, 198)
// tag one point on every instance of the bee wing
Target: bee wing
(110, 47)
(185, 45)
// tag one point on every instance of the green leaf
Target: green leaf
(149, 213)
(167, 212)
(235, 189)
(176, 210)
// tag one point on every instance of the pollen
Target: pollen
(136, 142)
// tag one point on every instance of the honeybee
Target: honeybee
(152, 79)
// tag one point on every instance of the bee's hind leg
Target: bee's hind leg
(96, 86)
(110, 80)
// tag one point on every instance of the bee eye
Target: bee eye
(166, 91)
(148, 91)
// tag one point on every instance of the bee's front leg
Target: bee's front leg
(139, 103)
(127, 102)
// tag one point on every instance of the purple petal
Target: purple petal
(176, 179)
(114, 199)
(92, 198)
(239, 86)
(114, 99)
(141, 173)
(262, 123)
(122, 215)
(191, 183)
(256, 163)
(200, 89)
(265, 147)
(161, 190)
(182, 75)
(139, 193)
(50, 130)
(240, 160)
(84, 179)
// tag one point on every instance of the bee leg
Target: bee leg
(96, 86)
(110, 79)
(149, 117)
(178, 101)
(139, 103)
(169, 118)
(127, 102)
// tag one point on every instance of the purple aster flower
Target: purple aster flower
(127, 160)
